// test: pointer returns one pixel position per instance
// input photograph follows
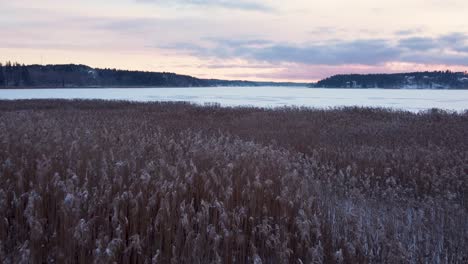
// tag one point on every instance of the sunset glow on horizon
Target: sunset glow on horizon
(271, 40)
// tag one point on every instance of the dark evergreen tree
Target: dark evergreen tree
(8, 73)
(16, 74)
(2, 76)
(25, 76)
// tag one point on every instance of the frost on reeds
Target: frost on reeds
(119, 182)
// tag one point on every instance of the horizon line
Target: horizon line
(239, 80)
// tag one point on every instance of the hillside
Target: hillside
(72, 76)
(414, 80)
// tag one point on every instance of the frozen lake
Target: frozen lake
(413, 100)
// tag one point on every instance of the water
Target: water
(412, 100)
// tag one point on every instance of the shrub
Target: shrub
(104, 182)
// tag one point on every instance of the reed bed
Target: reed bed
(123, 182)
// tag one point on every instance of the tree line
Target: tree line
(13, 74)
(436, 79)
(72, 75)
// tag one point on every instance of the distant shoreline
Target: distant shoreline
(145, 87)
(214, 87)
(73, 76)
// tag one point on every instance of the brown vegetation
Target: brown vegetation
(104, 182)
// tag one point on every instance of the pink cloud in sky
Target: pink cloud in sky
(295, 40)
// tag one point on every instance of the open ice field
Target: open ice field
(412, 100)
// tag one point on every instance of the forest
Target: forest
(422, 80)
(124, 182)
(15, 75)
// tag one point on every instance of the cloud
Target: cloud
(436, 58)
(406, 32)
(236, 66)
(352, 52)
(229, 4)
(456, 40)
(239, 42)
(419, 43)
(435, 47)
(446, 49)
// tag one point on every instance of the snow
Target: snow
(69, 199)
(412, 100)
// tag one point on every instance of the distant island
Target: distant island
(413, 80)
(15, 75)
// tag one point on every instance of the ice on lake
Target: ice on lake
(412, 100)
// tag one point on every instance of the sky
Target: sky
(275, 40)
